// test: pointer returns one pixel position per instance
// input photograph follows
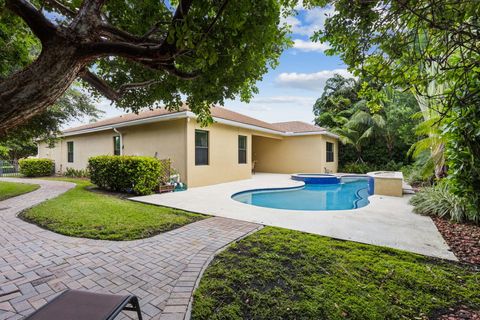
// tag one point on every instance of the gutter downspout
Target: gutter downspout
(121, 140)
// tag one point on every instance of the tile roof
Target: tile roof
(297, 126)
(124, 118)
(217, 112)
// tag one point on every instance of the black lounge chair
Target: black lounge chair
(83, 305)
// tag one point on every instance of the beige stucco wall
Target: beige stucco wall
(164, 139)
(175, 139)
(305, 154)
(84, 146)
(54, 153)
(388, 187)
(223, 155)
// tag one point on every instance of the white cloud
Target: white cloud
(308, 46)
(313, 20)
(277, 108)
(282, 99)
(309, 81)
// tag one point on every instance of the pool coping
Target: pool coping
(359, 198)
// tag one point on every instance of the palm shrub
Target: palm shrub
(357, 131)
(36, 167)
(139, 175)
(76, 173)
(441, 202)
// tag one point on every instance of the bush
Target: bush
(357, 167)
(36, 167)
(364, 167)
(439, 201)
(139, 175)
(76, 173)
(415, 176)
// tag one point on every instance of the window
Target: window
(70, 151)
(329, 152)
(201, 147)
(242, 149)
(116, 146)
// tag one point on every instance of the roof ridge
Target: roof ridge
(219, 112)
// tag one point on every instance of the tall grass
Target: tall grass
(439, 201)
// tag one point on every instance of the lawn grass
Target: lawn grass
(13, 189)
(282, 274)
(80, 212)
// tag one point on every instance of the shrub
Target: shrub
(391, 166)
(415, 176)
(364, 167)
(139, 175)
(76, 173)
(36, 167)
(356, 167)
(439, 201)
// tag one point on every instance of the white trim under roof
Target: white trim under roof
(189, 114)
(163, 117)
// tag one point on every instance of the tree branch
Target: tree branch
(88, 17)
(124, 49)
(66, 11)
(152, 30)
(122, 35)
(99, 84)
(217, 16)
(171, 69)
(40, 26)
(182, 10)
(136, 85)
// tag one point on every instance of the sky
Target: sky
(288, 92)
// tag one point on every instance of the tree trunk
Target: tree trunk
(39, 85)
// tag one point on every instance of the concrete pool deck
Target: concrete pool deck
(386, 221)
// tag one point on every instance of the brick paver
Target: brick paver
(37, 264)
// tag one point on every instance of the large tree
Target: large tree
(412, 44)
(338, 98)
(72, 105)
(137, 53)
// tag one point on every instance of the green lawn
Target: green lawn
(13, 189)
(281, 274)
(82, 213)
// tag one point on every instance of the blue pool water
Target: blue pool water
(348, 193)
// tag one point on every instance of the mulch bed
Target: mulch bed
(463, 239)
(460, 313)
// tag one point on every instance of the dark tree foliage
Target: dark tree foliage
(339, 94)
(342, 99)
(418, 45)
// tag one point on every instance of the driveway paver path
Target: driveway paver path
(37, 264)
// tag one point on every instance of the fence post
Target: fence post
(1, 168)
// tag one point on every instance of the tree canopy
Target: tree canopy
(73, 105)
(136, 53)
(375, 138)
(413, 45)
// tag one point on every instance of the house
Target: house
(221, 152)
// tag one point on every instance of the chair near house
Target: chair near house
(254, 162)
(84, 305)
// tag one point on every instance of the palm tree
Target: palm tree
(359, 129)
(434, 143)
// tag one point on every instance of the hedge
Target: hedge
(36, 167)
(139, 175)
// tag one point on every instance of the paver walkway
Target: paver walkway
(37, 264)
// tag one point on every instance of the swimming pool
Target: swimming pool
(348, 193)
